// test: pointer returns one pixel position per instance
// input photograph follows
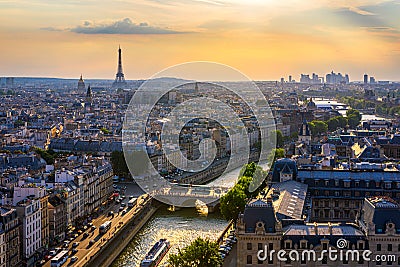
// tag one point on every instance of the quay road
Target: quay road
(85, 251)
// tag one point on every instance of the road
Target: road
(85, 251)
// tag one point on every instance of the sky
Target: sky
(264, 39)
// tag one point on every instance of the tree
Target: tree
(105, 130)
(353, 117)
(342, 121)
(119, 164)
(318, 127)
(279, 138)
(336, 122)
(47, 155)
(276, 153)
(333, 124)
(233, 202)
(200, 253)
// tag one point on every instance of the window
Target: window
(361, 246)
(249, 259)
(271, 246)
(346, 184)
(378, 247)
(287, 244)
(336, 183)
(325, 246)
(389, 247)
(249, 246)
(303, 244)
(260, 246)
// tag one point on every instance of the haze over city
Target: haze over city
(266, 40)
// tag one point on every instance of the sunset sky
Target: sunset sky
(265, 39)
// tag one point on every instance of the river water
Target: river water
(180, 227)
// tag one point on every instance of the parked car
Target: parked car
(75, 244)
(52, 253)
(110, 213)
(93, 228)
(74, 259)
(91, 242)
(74, 250)
(65, 244)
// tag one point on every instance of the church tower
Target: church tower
(304, 133)
(88, 103)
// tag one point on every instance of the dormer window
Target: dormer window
(288, 244)
(360, 244)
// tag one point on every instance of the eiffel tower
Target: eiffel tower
(119, 77)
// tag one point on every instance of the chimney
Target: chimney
(316, 228)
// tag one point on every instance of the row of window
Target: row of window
(357, 184)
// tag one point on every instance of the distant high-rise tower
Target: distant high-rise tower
(119, 78)
(81, 85)
(365, 78)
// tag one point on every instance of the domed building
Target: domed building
(81, 85)
(311, 105)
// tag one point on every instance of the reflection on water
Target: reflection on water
(179, 227)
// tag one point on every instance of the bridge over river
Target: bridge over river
(184, 195)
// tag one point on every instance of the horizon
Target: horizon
(266, 40)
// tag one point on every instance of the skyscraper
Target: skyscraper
(365, 78)
(119, 77)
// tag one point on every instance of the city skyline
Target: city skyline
(266, 40)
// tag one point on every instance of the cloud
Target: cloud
(359, 11)
(51, 29)
(123, 26)
(389, 33)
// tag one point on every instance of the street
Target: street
(84, 249)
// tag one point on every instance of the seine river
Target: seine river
(179, 227)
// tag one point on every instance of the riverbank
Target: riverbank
(180, 227)
(122, 237)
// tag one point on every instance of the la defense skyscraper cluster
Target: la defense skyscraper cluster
(119, 82)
